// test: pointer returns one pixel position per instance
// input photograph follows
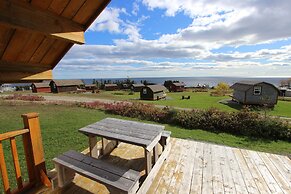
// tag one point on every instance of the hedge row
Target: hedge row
(244, 122)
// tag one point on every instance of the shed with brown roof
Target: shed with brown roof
(153, 92)
(255, 93)
(136, 87)
(58, 86)
(43, 87)
(177, 87)
(110, 87)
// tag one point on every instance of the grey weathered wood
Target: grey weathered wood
(114, 136)
(165, 138)
(94, 152)
(127, 173)
(137, 133)
(101, 172)
(148, 164)
(153, 173)
(108, 146)
(156, 154)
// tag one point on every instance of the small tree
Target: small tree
(221, 89)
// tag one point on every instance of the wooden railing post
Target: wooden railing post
(34, 150)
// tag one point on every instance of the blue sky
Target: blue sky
(149, 38)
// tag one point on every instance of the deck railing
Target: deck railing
(34, 155)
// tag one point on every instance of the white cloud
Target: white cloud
(135, 8)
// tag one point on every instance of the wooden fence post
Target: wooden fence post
(34, 150)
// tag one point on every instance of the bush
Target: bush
(244, 122)
(24, 97)
(221, 89)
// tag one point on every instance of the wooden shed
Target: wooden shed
(58, 86)
(110, 87)
(177, 87)
(255, 93)
(43, 87)
(136, 87)
(153, 92)
(36, 34)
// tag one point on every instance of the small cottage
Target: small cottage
(91, 88)
(43, 87)
(177, 87)
(110, 87)
(153, 92)
(255, 93)
(58, 86)
(137, 87)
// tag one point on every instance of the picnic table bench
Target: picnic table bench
(116, 179)
(112, 131)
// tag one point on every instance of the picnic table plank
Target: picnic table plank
(137, 133)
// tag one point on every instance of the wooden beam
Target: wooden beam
(6, 77)
(24, 16)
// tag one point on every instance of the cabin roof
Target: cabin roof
(138, 85)
(42, 85)
(68, 82)
(178, 84)
(36, 34)
(246, 85)
(157, 88)
(110, 85)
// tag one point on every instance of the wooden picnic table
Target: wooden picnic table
(117, 130)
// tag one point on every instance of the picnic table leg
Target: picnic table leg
(94, 152)
(156, 154)
(108, 146)
(148, 158)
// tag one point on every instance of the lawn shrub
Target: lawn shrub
(244, 122)
(24, 97)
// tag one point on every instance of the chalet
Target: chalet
(153, 92)
(177, 87)
(110, 87)
(58, 86)
(91, 87)
(43, 87)
(137, 87)
(255, 93)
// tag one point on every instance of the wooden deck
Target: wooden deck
(195, 167)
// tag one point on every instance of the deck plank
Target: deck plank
(272, 184)
(237, 176)
(225, 170)
(207, 170)
(258, 179)
(282, 182)
(197, 176)
(217, 179)
(249, 180)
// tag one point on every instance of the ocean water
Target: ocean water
(194, 81)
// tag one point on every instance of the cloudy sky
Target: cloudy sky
(163, 38)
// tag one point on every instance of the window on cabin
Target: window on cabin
(144, 91)
(257, 90)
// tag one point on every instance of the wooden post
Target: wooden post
(148, 160)
(34, 150)
(94, 152)
(156, 153)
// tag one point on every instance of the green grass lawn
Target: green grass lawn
(60, 126)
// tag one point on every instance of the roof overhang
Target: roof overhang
(35, 35)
